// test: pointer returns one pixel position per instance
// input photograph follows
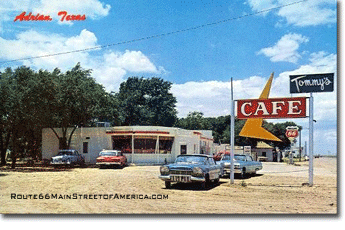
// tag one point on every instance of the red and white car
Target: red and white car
(111, 158)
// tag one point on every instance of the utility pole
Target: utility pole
(232, 135)
(311, 156)
(300, 148)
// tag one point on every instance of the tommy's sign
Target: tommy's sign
(311, 83)
(272, 108)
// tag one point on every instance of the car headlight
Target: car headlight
(164, 170)
(197, 171)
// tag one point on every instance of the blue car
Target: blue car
(243, 165)
(191, 169)
(68, 157)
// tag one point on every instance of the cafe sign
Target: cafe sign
(292, 107)
(312, 83)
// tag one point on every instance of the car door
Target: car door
(250, 164)
(214, 169)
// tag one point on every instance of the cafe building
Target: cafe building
(140, 144)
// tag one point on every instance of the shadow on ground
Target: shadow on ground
(34, 169)
(194, 186)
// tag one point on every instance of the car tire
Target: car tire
(243, 173)
(206, 183)
(167, 184)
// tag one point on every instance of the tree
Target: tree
(16, 111)
(279, 130)
(6, 100)
(30, 101)
(147, 102)
(194, 121)
(78, 102)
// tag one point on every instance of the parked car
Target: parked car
(68, 157)
(218, 156)
(111, 158)
(191, 168)
(243, 165)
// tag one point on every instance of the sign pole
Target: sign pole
(311, 157)
(232, 136)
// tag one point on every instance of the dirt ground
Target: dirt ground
(277, 189)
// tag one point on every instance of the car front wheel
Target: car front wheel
(167, 184)
(243, 173)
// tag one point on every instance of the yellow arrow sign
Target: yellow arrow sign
(253, 126)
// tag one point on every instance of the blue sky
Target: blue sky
(296, 39)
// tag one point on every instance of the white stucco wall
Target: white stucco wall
(98, 139)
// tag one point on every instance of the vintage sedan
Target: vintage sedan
(243, 165)
(191, 168)
(68, 157)
(111, 158)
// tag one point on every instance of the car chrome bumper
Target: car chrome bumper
(227, 171)
(190, 178)
(108, 163)
(60, 163)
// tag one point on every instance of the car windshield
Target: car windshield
(236, 158)
(61, 153)
(190, 159)
(114, 153)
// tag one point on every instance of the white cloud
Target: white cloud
(308, 13)
(132, 61)
(285, 49)
(91, 8)
(32, 43)
(109, 68)
(214, 96)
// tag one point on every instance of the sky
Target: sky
(197, 45)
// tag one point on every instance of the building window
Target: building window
(264, 154)
(183, 149)
(165, 144)
(145, 144)
(122, 143)
(85, 147)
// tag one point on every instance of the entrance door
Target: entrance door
(85, 152)
(183, 149)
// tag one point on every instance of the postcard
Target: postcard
(168, 107)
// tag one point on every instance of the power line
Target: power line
(154, 36)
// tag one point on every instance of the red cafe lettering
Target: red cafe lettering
(272, 108)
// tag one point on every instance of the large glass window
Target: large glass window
(165, 144)
(145, 144)
(122, 143)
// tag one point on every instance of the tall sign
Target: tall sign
(312, 83)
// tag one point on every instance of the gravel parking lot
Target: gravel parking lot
(278, 188)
